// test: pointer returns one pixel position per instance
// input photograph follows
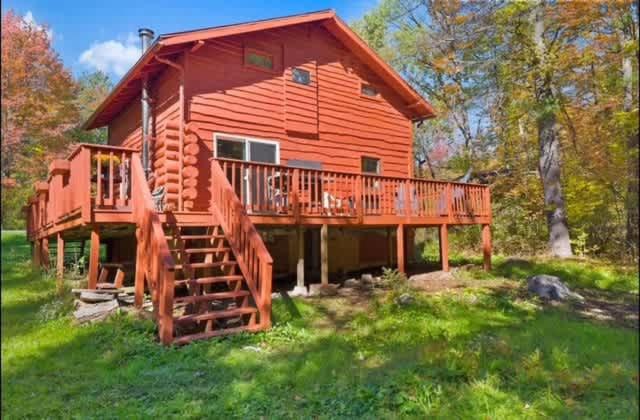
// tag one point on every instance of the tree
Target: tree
(93, 88)
(37, 96)
(38, 109)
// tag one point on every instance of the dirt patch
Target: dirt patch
(619, 309)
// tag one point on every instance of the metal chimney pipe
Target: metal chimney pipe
(146, 36)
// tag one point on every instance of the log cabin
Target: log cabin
(242, 153)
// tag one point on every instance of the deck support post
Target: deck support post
(486, 246)
(36, 258)
(94, 258)
(400, 249)
(444, 247)
(139, 277)
(44, 262)
(300, 264)
(59, 262)
(389, 248)
(324, 255)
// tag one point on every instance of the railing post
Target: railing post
(358, 202)
(265, 283)
(449, 196)
(85, 184)
(407, 198)
(295, 195)
(165, 287)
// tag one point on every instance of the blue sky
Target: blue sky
(104, 35)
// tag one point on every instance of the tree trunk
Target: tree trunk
(632, 147)
(550, 159)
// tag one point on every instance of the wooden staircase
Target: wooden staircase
(204, 281)
(211, 296)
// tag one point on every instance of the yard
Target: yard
(482, 349)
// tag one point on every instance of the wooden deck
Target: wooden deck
(101, 191)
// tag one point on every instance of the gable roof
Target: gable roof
(167, 45)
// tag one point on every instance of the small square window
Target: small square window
(371, 165)
(368, 90)
(301, 76)
(257, 59)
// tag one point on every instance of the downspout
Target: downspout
(146, 35)
(180, 69)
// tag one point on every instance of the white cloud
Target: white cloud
(29, 21)
(113, 56)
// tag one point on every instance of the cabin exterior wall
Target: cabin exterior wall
(327, 121)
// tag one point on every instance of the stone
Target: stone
(550, 287)
(351, 283)
(276, 295)
(298, 291)
(95, 312)
(366, 278)
(93, 297)
(252, 348)
(405, 299)
(318, 289)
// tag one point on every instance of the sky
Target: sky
(103, 36)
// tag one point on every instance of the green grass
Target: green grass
(477, 353)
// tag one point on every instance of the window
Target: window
(239, 148)
(301, 76)
(368, 90)
(370, 165)
(258, 59)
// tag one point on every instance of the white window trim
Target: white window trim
(245, 139)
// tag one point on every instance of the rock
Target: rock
(276, 295)
(421, 281)
(252, 348)
(95, 312)
(298, 291)
(550, 287)
(92, 297)
(366, 279)
(405, 299)
(111, 291)
(351, 283)
(319, 289)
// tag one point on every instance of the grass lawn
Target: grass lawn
(476, 352)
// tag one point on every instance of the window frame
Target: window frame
(251, 50)
(293, 70)
(245, 140)
(379, 165)
(376, 97)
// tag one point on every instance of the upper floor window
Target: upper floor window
(369, 90)
(301, 76)
(370, 165)
(258, 59)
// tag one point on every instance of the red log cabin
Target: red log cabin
(240, 153)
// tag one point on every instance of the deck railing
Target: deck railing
(154, 263)
(92, 177)
(266, 189)
(252, 255)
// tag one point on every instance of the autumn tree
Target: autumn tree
(38, 108)
(93, 88)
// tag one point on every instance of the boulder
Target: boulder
(351, 283)
(318, 289)
(366, 279)
(425, 280)
(550, 287)
(405, 299)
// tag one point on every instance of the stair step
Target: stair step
(205, 264)
(201, 250)
(228, 313)
(189, 237)
(211, 296)
(186, 339)
(209, 280)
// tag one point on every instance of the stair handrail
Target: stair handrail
(251, 253)
(154, 261)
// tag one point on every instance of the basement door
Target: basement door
(248, 149)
